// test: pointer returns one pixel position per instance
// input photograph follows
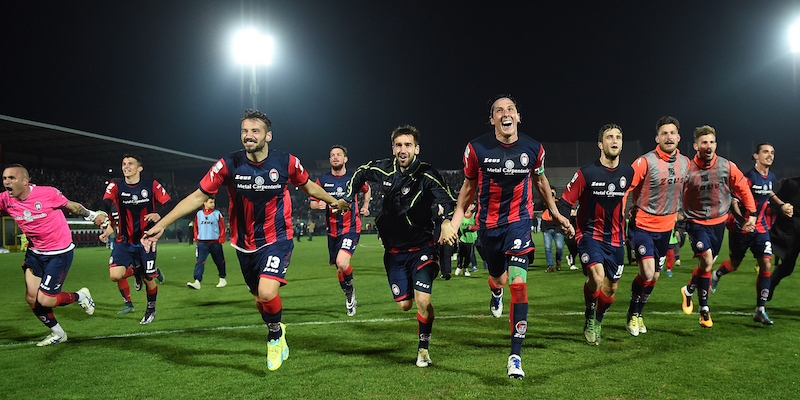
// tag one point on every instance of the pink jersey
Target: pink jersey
(39, 216)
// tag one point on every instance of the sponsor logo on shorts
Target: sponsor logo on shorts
(422, 285)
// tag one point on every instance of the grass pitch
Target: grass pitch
(211, 343)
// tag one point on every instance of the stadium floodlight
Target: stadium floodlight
(794, 37)
(252, 48)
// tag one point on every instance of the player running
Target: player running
(39, 212)
(344, 229)
(600, 188)
(710, 182)
(760, 180)
(503, 167)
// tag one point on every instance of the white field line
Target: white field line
(350, 321)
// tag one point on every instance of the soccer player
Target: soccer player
(785, 235)
(657, 183)
(209, 233)
(135, 199)
(260, 210)
(39, 212)
(503, 167)
(600, 188)
(344, 229)
(405, 224)
(760, 181)
(710, 182)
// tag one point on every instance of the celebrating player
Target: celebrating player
(38, 210)
(600, 188)
(260, 212)
(344, 229)
(406, 224)
(135, 199)
(503, 166)
(657, 183)
(710, 182)
(760, 180)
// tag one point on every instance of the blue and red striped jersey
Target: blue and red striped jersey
(133, 203)
(761, 188)
(503, 174)
(260, 211)
(336, 186)
(601, 193)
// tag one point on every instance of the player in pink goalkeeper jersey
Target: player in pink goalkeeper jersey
(38, 210)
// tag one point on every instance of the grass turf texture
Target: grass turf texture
(211, 343)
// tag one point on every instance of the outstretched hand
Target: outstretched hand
(340, 206)
(150, 237)
(449, 233)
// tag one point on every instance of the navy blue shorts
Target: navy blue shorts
(758, 243)
(270, 262)
(704, 237)
(127, 255)
(498, 243)
(596, 252)
(649, 244)
(52, 269)
(347, 242)
(411, 270)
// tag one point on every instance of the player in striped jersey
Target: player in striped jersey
(711, 181)
(503, 167)
(600, 187)
(260, 217)
(344, 229)
(760, 180)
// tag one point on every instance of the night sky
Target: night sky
(349, 72)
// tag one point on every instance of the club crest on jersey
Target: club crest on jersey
(273, 175)
(524, 159)
(405, 190)
(622, 182)
(395, 289)
(584, 258)
(37, 206)
(145, 193)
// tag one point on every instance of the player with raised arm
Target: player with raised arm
(135, 199)
(503, 167)
(600, 187)
(711, 181)
(760, 180)
(406, 224)
(657, 186)
(259, 214)
(344, 229)
(39, 212)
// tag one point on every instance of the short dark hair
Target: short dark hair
(406, 130)
(666, 120)
(605, 128)
(338, 146)
(758, 148)
(133, 156)
(24, 170)
(490, 105)
(255, 114)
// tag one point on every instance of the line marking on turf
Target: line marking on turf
(349, 321)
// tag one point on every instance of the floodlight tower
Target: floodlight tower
(253, 49)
